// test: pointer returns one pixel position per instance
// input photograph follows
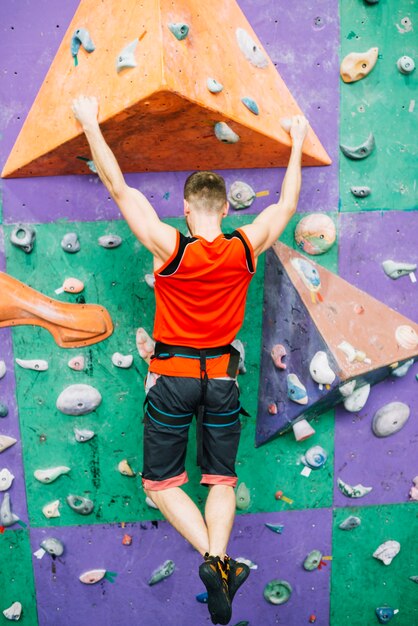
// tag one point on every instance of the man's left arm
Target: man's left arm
(267, 227)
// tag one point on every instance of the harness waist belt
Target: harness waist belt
(166, 351)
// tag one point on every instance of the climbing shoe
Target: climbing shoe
(215, 578)
(237, 575)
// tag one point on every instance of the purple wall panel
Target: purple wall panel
(36, 31)
(387, 465)
(63, 599)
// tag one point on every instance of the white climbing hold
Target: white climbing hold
(3, 369)
(126, 57)
(92, 576)
(352, 353)
(51, 509)
(320, 369)
(150, 280)
(52, 473)
(6, 479)
(150, 503)
(14, 612)
(77, 363)
(347, 389)
(387, 551)
(78, 400)
(7, 518)
(356, 401)
(40, 365)
(406, 337)
(125, 469)
(225, 133)
(250, 49)
(121, 360)
(83, 434)
(6, 442)
(390, 418)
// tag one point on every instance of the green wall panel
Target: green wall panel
(16, 576)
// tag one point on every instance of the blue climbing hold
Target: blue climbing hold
(81, 37)
(384, 614)
(251, 105)
(202, 597)
(276, 528)
(180, 31)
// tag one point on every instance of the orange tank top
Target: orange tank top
(200, 297)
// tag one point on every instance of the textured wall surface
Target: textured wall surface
(305, 41)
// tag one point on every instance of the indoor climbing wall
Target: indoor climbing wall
(287, 507)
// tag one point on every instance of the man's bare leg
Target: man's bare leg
(183, 514)
(219, 515)
(145, 344)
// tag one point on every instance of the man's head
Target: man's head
(206, 192)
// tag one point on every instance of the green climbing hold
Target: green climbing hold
(313, 560)
(251, 105)
(277, 591)
(180, 31)
(81, 37)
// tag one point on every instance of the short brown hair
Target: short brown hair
(206, 191)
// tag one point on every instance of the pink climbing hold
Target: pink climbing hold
(277, 353)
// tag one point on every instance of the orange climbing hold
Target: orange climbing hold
(71, 325)
(157, 113)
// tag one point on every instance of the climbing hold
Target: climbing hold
(51, 509)
(6, 442)
(202, 597)
(277, 353)
(33, 364)
(320, 369)
(405, 65)
(164, 571)
(7, 518)
(347, 389)
(313, 560)
(251, 105)
(361, 192)
(81, 37)
(361, 151)
(150, 280)
(247, 562)
(405, 27)
(14, 612)
(315, 457)
(4, 411)
(352, 353)
(122, 361)
(80, 505)
(125, 469)
(78, 400)
(213, 85)
(356, 401)
(49, 475)
(413, 492)
(356, 491)
(357, 65)
(272, 408)
(23, 236)
(315, 233)
(82, 435)
(126, 58)
(302, 430)
(240, 195)
(385, 614)
(150, 503)
(242, 497)
(225, 133)
(3, 369)
(295, 390)
(179, 30)
(396, 269)
(406, 337)
(387, 551)
(238, 345)
(402, 370)
(276, 528)
(77, 363)
(126, 540)
(53, 546)
(390, 418)
(70, 243)
(109, 241)
(6, 479)
(350, 522)
(250, 49)
(372, 1)
(92, 576)
(308, 274)
(414, 579)
(72, 285)
(277, 591)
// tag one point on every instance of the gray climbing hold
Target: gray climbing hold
(109, 241)
(83, 434)
(242, 497)
(3, 369)
(126, 58)
(405, 65)
(53, 546)
(361, 192)
(70, 243)
(7, 518)
(79, 400)
(213, 85)
(179, 30)
(277, 591)
(313, 560)
(23, 237)
(350, 522)
(251, 105)
(164, 571)
(4, 411)
(240, 195)
(390, 418)
(79, 504)
(81, 37)
(225, 133)
(250, 49)
(396, 269)
(402, 370)
(361, 151)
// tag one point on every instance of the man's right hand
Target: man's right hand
(85, 109)
(299, 128)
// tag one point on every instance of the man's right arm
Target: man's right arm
(158, 237)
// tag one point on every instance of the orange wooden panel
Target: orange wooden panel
(159, 115)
